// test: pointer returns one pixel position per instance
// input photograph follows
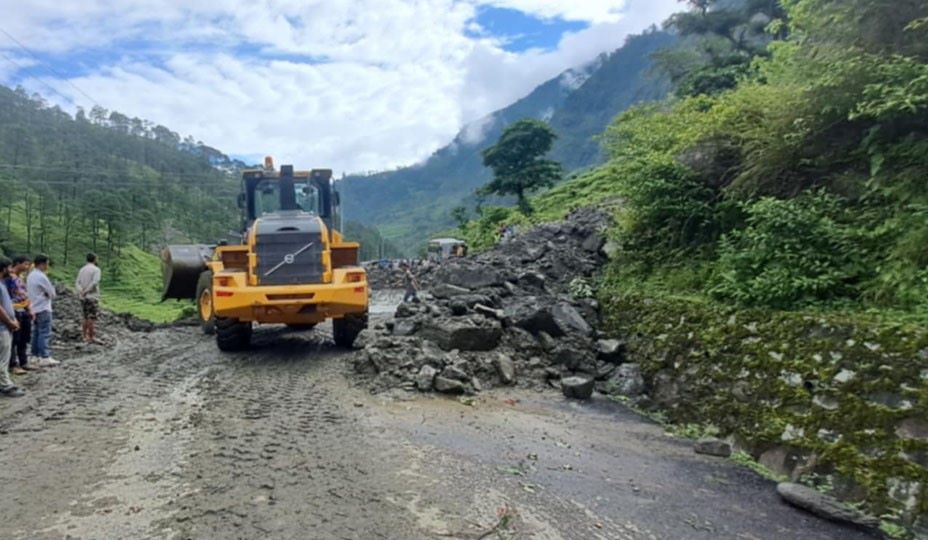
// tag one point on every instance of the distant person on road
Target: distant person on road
(41, 294)
(88, 290)
(411, 285)
(16, 286)
(8, 325)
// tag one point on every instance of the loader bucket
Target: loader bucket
(181, 267)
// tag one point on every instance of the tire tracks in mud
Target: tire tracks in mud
(85, 447)
(278, 453)
(165, 437)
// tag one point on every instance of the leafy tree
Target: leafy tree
(722, 38)
(460, 215)
(516, 160)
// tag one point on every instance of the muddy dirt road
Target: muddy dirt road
(164, 437)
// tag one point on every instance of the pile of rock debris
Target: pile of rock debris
(67, 323)
(520, 314)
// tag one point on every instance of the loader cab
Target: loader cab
(266, 192)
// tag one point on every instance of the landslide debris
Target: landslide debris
(112, 327)
(510, 316)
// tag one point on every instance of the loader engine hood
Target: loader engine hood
(289, 247)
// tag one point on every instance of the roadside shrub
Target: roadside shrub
(483, 233)
(791, 252)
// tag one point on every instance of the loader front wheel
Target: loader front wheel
(205, 303)
(346, 329)
(232, 335)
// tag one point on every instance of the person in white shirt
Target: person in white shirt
(41, 293)
(88, 290)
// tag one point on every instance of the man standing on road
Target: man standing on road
(411, 285)
(88, 290)
(16, 286)
(8, 325)
(41, 293)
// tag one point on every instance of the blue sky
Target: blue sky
(379, 83)
(519, 31)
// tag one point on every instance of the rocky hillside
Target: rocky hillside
(410, 203)
(519, 314)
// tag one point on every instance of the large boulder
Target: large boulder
(456, 373)
(425, 378)
(711, 446)
(569, 320)
(406, 309)
(610, 350)
(825, 506)
(448, 386)
(444, 291)
(463, 334)
(530, 314)
(626, 381)
(506, 369)
(405, 327)
(572, 355)
(458, 308)
(594, 243)
(577, 387)
(532, 280)
(470, 277)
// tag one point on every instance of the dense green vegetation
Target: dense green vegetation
(411, 203)
(771, 235)
(804, 184)
(373, 245)
(121, 187)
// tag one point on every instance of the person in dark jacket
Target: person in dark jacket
(8, 326)
(16, 285)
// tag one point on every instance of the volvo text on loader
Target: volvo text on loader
(291, 267)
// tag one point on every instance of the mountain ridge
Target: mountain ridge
(410, 203)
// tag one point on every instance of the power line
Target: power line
(49, 68)
(50, 87)
(108, 172)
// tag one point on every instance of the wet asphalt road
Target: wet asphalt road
(164, 437)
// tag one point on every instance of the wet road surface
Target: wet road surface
(165, 437)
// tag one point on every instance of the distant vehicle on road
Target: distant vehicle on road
(440, 249)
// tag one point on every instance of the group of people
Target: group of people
(26, 297)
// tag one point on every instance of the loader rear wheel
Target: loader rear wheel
(205, 303)
(232, 335)
(346, 329)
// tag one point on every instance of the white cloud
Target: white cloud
(596, 11)
(392, 79)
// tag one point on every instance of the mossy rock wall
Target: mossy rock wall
(838, 398)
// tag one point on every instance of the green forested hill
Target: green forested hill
(121, 187)
(410, 203)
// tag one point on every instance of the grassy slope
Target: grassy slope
(132, 285)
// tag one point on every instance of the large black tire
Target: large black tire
(204, 302)
(346, 329)
(232, 335)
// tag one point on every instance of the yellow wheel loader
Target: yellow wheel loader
(291, 267)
